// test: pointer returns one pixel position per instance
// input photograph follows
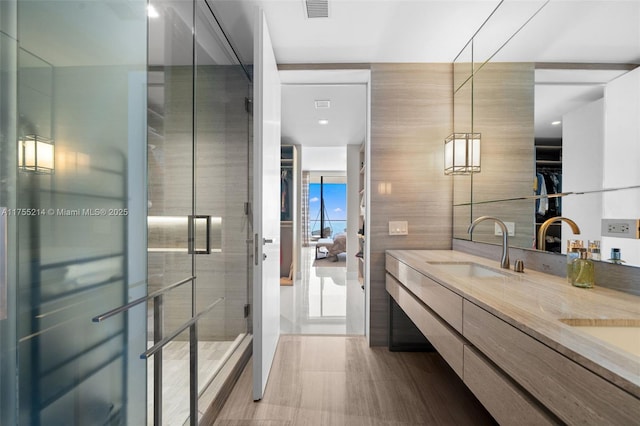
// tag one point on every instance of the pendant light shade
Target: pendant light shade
(462, 154)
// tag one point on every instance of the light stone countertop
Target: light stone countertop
(534, 302)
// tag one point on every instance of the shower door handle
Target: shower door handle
(3, 264)
(192, 234)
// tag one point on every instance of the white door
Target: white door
(266, 201)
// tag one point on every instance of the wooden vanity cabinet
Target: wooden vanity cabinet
(445, 339)
(570, 391)
(519, 379)
(441, 322)
(444, 302)
(506, 401)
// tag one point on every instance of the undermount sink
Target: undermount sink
(622, 333)
(468, 269)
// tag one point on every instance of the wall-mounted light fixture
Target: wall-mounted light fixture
(36, 154)
(462, 154)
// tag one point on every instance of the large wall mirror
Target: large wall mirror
(553, 87)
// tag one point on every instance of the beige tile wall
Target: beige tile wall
(411, 115)
(222, 189)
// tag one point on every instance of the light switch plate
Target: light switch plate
(511, 227)
(398, 227)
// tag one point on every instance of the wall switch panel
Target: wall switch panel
(621, 228)
(511, 227)
(399, 227)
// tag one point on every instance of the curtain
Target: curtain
(305, 209)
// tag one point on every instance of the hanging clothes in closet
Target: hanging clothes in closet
(285, 194)
(548, 181)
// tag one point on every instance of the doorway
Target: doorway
(324, 115)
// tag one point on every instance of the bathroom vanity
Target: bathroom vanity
(532, 348)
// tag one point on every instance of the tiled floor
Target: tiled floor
(175, 377)
(324, 301)
(339, 380)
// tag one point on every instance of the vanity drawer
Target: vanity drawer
(440, 299)
(447, 341)
(570, 391)
(508, 404)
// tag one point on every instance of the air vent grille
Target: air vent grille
(317, 8)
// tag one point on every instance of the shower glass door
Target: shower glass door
(198, 218)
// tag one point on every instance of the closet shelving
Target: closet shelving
(549, 166)
(287, 205)
(361, 231)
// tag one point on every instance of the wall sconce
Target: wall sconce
(36, 154)
(462, 154)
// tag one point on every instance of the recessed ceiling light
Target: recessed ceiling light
(323, 121)
(152, 12)
(323, 104)
(556, 123)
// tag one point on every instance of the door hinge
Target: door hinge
(247, 310)
(247, 206)
(248, 105)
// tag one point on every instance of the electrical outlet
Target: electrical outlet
(618, 228)
(398, 227)
(621, 228)
(511, 227)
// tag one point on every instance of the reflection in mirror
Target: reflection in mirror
(507, 20)
(569, 67)
(463, 67)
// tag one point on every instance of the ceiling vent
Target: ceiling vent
(317, 8)
(323, 104)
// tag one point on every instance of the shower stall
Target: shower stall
(124, 215)
(198, 188)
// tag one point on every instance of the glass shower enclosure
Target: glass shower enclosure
(124, 188)
(198, 171)
(72, 165)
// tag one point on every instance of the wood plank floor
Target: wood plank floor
(339, 380)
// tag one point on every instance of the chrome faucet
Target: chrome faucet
(504, 262)
(542, 232)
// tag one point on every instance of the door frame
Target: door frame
(334, 74)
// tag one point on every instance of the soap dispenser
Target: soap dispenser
(583, 273)
(573, 247)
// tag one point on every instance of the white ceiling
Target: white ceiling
(346, 115)
(369, 31)
(558, 92)
(358, 30)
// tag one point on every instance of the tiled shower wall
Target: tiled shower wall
(222, 144)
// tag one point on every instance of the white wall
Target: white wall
(582, 147)
(601, 149)
(621, 159)
(324, 158)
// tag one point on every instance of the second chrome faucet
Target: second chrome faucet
(504, 262)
